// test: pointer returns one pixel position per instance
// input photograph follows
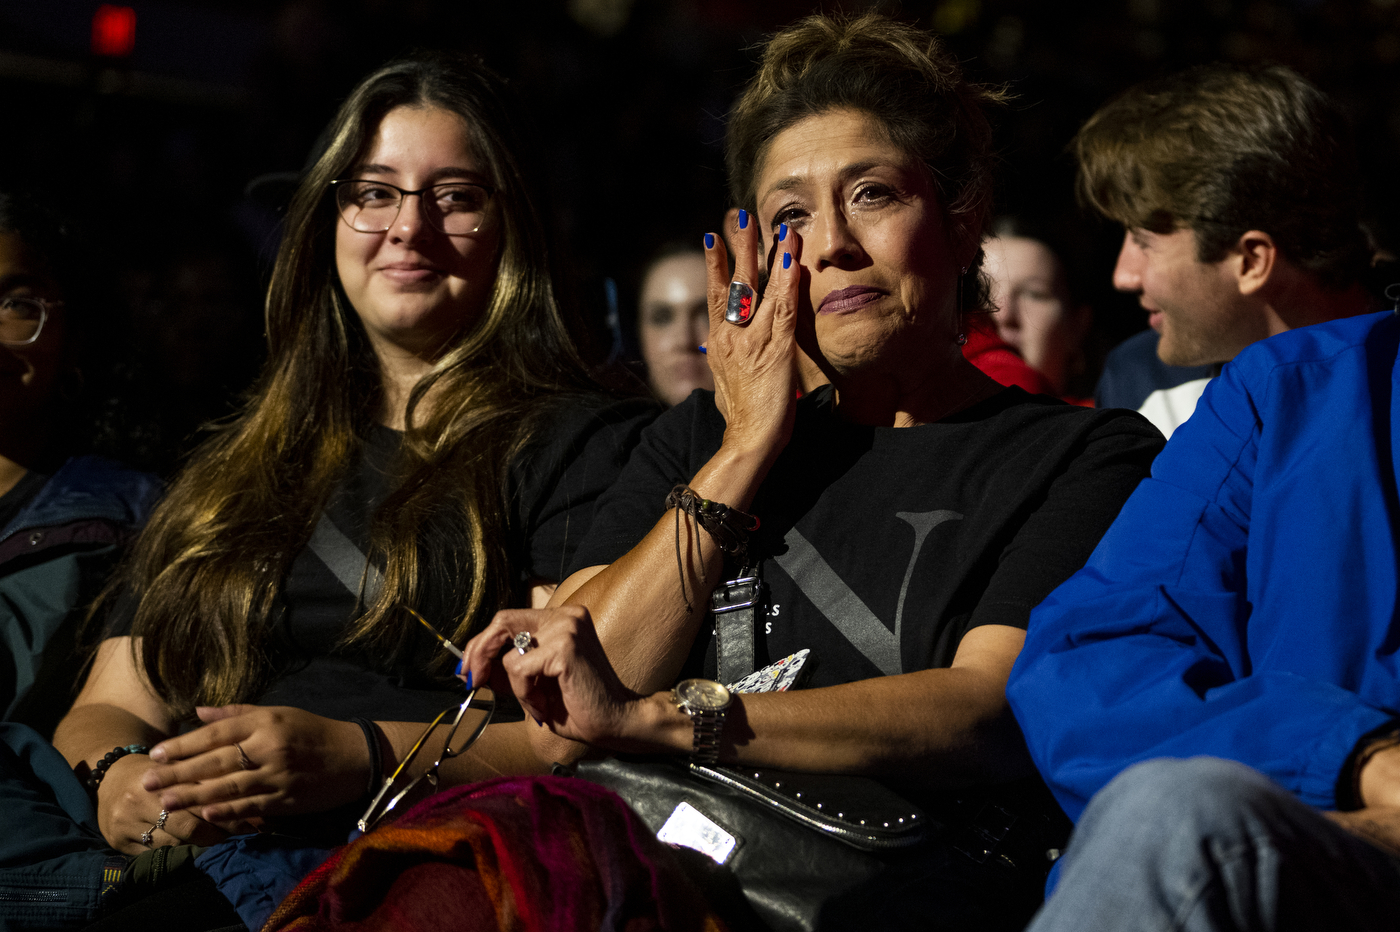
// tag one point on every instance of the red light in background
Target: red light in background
(113, 31)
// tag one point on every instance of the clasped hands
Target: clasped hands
(250, 763)
(245, 765)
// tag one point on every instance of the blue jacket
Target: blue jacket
(55, 556)
(1244, 603)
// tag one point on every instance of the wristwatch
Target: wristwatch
(706, 702)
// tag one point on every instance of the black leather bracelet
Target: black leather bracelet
(94, 777)
(729, 527)
(376, 762)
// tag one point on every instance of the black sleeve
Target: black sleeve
(672, 449)
(558, 479)
(1079, 504)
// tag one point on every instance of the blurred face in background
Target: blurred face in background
(674, 321)
(1034, 311)
(29, 373)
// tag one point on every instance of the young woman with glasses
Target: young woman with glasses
(424, 435)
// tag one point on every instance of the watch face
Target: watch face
(703, 695)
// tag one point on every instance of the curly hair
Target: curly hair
(900, 76)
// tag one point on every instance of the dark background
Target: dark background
(153, 151)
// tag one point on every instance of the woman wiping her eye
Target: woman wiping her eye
(904, 519)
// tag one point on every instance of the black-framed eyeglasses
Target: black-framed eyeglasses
(457, 209)
(22, 319)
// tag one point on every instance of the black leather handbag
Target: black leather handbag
(796, 852)
(800, 852)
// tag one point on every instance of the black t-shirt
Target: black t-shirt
(883, 546)
(554, 485)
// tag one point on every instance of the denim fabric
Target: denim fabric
(52, 856)
(256, 872)
(1207, 845)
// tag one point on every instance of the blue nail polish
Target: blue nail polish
(787, 259)
(743, 219)
(460, 663)
(709, 241)
(469, 679)
(703, 349)
(782, 232)
(538, 722)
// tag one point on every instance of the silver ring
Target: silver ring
(148, 837)
(243, 760)
(523, 642)
(740, 306)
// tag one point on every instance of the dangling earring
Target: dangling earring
(961, 338)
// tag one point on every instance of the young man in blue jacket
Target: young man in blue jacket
(1240, 197)
(1214, 697)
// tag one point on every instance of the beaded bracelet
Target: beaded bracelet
(95, 776)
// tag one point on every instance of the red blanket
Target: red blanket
(537, 854)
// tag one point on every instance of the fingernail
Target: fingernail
(158, 754)
(709, 241)
(538, 722)
(469, 679)
(703, 349)
(743, 219)
(460, 664)
(787, 259)
(782, 232)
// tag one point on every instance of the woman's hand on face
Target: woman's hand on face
(563, 680)
(754, 364)
(126, 810)
(252, 761)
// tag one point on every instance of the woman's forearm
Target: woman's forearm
(646, 608)
(502, 749)
(946, 726)
(90, 731)
(951, 726)
(114, 708)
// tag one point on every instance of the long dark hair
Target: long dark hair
(209, 566)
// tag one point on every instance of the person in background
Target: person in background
(673, 321)
(1241, 199)
(64, 519)
(1036, 311)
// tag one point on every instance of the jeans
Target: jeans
(1206, 845)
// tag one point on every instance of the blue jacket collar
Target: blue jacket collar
(89, 488)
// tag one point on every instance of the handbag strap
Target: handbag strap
(735, 606)
(345, 560)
